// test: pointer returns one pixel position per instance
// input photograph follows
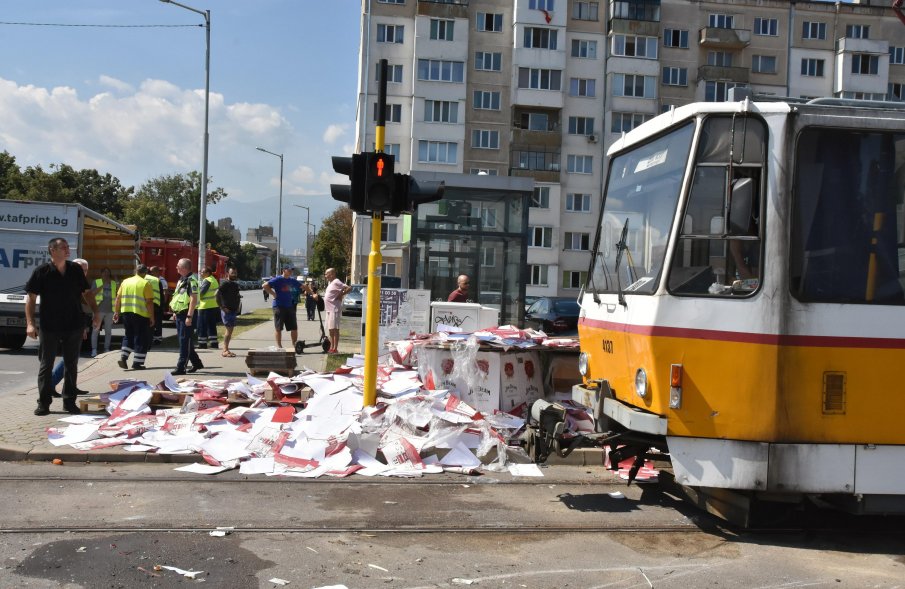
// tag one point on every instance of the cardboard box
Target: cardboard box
(497, 380)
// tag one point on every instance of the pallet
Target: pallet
(282, 362)
(92, 404)
(288, 372)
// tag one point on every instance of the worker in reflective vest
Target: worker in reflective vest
(154, 281)
(134, 304)
(208, 310)
(105, 289)
(183, 304)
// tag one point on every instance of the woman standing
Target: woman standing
(104, 290)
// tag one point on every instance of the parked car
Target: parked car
(553, 316)
(352, 302)
(530, 300)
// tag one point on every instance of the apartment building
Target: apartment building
(540, 88)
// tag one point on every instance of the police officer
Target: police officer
(208, 310)
(135, 305)
(183, 304)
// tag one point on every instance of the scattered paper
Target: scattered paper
(379, 568)
(278, 581)
(184, 573)
(525, 470)
(199, 468)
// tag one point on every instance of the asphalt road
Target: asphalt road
(116, 526)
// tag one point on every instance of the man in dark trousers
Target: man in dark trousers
(62, 286)
(135, 305)
(183, 304)
(230, 302)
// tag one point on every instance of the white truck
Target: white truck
(25, 229)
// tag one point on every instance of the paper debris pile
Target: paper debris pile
(314, 426)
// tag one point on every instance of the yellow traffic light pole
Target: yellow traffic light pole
(375, 260)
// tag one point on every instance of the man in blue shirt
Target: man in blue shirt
(286, 291)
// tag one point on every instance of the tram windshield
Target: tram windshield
(642, 192)
(848, 217)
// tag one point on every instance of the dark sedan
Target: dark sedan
(553, 316)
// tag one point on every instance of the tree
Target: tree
(333, 245)
(169, 206)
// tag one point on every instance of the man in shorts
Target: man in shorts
(285, 290)
(230, 301)
(333, 304)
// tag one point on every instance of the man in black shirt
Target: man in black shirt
(62, 285)
(230, 302)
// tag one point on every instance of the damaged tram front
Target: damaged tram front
(744, 306)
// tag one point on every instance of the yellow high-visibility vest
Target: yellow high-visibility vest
(99, 295)
(209, 299)
(132, 296)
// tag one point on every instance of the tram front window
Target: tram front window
(641, 196)
(718, 250)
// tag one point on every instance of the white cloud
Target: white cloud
(117, 85)
(334, 132)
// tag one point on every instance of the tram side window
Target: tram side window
(716, 256)
(848, 224)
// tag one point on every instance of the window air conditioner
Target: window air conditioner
(592, 138)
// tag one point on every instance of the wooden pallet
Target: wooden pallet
(259, 362)
(265, 371)
(92, 404)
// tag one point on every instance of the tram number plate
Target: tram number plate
(608, 346)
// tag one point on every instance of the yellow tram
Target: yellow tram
(745, 305)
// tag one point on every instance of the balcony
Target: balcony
(535, 162)
(869, 46)
(724, 73)
(443, 8)
(724, 38)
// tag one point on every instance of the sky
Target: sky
(120, 89)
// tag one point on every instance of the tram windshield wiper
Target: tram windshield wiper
(621, 247)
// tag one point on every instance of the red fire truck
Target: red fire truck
(166, 253)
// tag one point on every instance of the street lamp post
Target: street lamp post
(276, 270)
(307, 233)
(202, 230)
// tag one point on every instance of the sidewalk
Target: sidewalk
(23, 435)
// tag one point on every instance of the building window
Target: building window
(388, 232)
(391, 1)
(390, 33)
(488, 218)
(392, 149)
(438, 70)
(865, 64)
(441, 111)
(438, 152)
(487, 61)
(623, 122)
(719, 58)
(675, 76)
(388, 269)
(721, 21)
(488, 257)
(578, 203)
(540, 237)
(484, 100)
(540, 5)
(539, 38)
(634, 86)
(536, 160)
(583, 87)
(581, 125)
(812, 67)
(857, 31)
(768, 27)
(577, 241)
(861, 95)
(585, 10)
(540, 199)
(442, 29)
(485, 139)
(717, 91)
(584, 49)
(489, 22)
(648, 10)
(632, 46)
(813, 30)
(539, 79)
(394, 74)
(896, 92)
(393, 114)
(675, 38)
(537, 275)
(897, 55)
(483, 171)
(534, 121)
(573, 279)
(580, 164)
(763, 64)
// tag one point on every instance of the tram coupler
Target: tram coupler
(546, 433)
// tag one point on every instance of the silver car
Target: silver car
(352, 302)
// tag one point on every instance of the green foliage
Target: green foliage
(169, 206)
(333, 245)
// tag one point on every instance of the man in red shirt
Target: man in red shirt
(460, 295)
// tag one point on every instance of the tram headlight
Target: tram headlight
(641, 383)
(583, 363)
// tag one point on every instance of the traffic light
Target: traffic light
(379, 183)
(409, 193)
(354, 193)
